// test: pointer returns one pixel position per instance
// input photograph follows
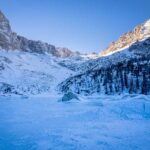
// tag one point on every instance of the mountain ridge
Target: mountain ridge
(127, 39)
(10, 40)
(34, 67)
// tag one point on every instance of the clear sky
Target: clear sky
(83, 25)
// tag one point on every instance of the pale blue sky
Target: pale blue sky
(83, 25)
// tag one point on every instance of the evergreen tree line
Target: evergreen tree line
(132, 76)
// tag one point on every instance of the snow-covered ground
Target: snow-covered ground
(31, 73)
(96, 122)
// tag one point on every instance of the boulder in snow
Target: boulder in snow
(69, 96)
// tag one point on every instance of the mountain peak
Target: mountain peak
(5, 32)
(127, 39)
(9, 40)
(145, 29)
(147, 23)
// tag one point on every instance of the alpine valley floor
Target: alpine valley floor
(96, 122)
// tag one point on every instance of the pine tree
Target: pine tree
(131, 86)
(144, 84)
(137, 83)
(121, 78)
(125, 79)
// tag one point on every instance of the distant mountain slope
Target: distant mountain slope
(34, 67)
(9, 40)
(138, 33)
(125, 71)
(130, 76)
(137, 49)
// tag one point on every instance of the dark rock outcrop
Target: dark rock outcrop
(5, 32)
(69, 96)
(9, 40)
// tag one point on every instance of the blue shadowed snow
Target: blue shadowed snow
(100, 123)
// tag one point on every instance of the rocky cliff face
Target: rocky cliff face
(63, 52)
(34, 46)
(140, 32)
(5, 32)
(9, 40)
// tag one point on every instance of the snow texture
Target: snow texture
(97, 122)
(30, 73)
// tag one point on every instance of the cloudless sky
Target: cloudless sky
(82, 25)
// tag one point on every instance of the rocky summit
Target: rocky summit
(5, 33)
(9, 40)
(138, 33)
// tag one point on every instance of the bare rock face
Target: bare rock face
(34, 46)
(11, 41)
(140, 32)
(63, 52)
(5, 32)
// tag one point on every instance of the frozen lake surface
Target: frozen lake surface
(99, 123)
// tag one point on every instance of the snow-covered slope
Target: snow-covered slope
(136, 50)
(145, 29)
(30, 73)
(32, 67)
(126, 71)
